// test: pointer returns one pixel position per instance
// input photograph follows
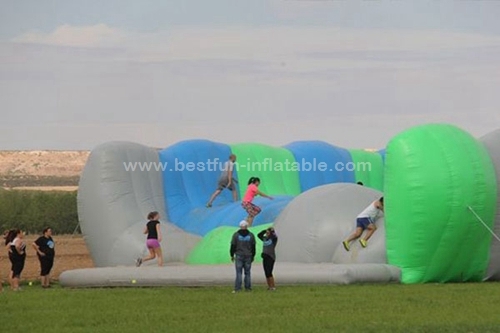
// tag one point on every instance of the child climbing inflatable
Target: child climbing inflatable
(251, 193)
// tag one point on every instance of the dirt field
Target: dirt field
(71, 253)
(46, 188)
(41, 170)
(43, 162)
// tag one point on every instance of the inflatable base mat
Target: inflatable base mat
(219, 275)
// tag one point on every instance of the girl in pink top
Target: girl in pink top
(250, 194)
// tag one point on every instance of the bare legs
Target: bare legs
(371, 228)
(159, 255)
(355, 235)
(217, 192)
(45, 281)
(14, 282)
(270, 283)
(212, 198)
(249, 220)
(154, 253)
(252, 212)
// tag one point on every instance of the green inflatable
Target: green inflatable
(433, 174)
(214, 247)
(369, 168)
(270, 165)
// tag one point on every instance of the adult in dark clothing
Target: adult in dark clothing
(270, 239)
(242, 252)
(153, 230)
(44, 247)
(17, 255)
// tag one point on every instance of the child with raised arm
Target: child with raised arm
(269, 240)
(251, 192)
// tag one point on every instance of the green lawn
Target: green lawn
(351, 308)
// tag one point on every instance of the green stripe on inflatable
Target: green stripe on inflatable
(368, 168)
(214, 247)
(433, 173)
(274, 166)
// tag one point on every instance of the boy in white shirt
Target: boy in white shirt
(366, 221)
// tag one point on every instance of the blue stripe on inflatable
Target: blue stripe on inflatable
(191, 171)
(382, 153)
(201, 220)
(191, 174)
(315, 152)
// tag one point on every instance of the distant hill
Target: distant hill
(41, 168)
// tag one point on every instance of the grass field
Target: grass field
(351, 308)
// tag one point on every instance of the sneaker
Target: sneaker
(138, 262)
(271, 289)
(362, 242)
(208, 205)
(346, 245)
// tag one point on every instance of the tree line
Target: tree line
(32, 211)
(28, 180)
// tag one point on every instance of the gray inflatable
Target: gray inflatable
(113, 203)
(492, 143)
(313, 225)
(210, 275)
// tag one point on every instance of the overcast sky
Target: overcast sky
(74, 74)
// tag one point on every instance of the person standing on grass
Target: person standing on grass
(366, 221)
(269, 239)
(251, 192)
(44, 247)
(17, 256)
(153, 230)
(242, 252)
(226, 180)
(5, 235)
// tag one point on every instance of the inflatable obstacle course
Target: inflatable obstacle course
(431, 177)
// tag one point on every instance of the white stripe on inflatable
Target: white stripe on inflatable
(485, 225)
